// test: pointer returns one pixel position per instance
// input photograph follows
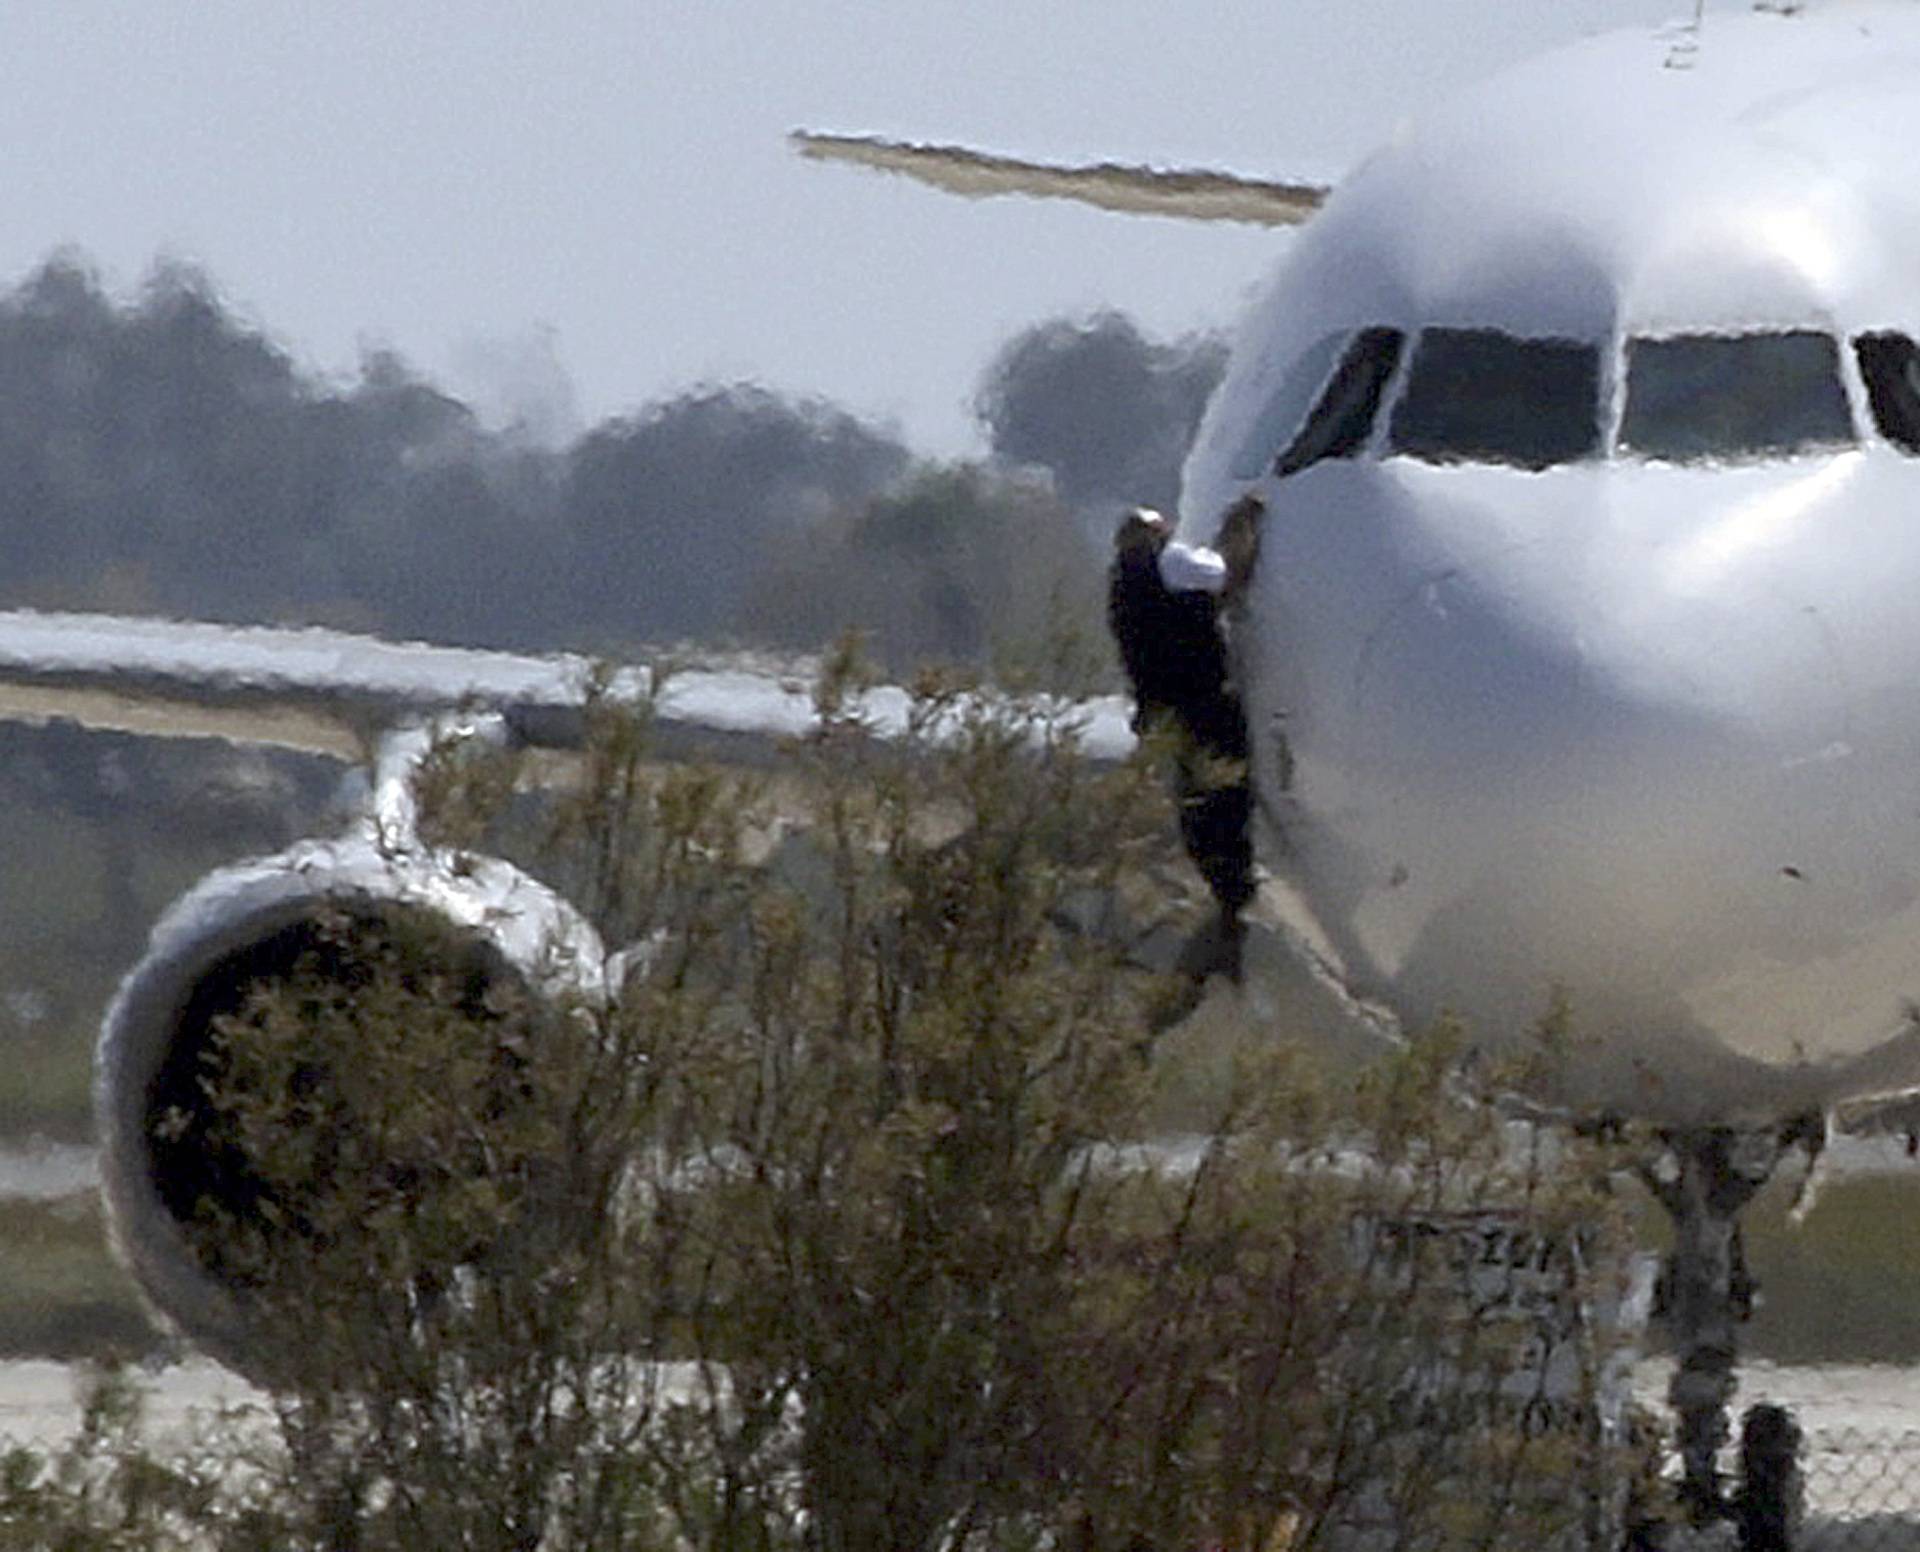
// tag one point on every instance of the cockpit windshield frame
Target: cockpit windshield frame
(1481, 396)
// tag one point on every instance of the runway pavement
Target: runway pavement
(40, 1399)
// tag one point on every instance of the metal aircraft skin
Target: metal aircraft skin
(1582, 657)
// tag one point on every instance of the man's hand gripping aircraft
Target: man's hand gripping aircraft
(1581, 654)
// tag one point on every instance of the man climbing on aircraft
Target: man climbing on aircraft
(1163, 602)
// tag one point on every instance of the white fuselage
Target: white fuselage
(1582, 657)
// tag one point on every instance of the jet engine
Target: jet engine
(323, 907)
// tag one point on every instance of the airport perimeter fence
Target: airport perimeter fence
(1859, 1491)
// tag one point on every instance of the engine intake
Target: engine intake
(330, 909)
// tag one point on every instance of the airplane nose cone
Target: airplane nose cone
(1617, 738)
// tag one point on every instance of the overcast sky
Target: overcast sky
(598, 192)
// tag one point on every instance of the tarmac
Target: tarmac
(40, 1400)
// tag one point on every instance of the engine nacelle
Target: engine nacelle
(245, 928)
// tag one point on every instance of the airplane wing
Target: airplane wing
(332, 692)
(1188, 193)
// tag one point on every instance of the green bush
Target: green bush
(844, 1226)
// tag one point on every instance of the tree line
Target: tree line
(158, 454)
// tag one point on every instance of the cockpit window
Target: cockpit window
(1343, 419)
(1890, 367)
(1480, 396)
(1286, 408)
(1709, 396)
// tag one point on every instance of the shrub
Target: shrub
(843, 1226)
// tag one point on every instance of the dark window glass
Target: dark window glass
(1704, 396)
(1476, 395)
(1890, 367)
(1286, 407)
(1343, 419)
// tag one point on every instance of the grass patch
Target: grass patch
(62, 1294)
(49, 1087)
(1840, 1286)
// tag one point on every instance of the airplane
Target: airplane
(1565, 670)
(1580, 658)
